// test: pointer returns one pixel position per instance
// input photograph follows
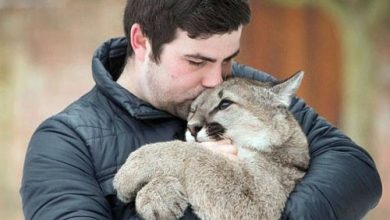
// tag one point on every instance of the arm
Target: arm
(342, 181)
(58, 177)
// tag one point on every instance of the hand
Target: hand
(224, 147)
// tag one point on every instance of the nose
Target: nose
(194, 129)
(213, 78)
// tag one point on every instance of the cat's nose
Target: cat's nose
(194, 129)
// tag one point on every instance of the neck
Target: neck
(292, 159)
(287, 161)
(131, 80)
(293, 152)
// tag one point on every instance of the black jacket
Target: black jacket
(74, 155)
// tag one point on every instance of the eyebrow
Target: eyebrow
(209, 59)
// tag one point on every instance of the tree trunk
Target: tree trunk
(356, 20)
(358, 79)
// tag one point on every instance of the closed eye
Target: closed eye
(224, 104)
(196, 63)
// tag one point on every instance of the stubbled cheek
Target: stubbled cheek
(183, 74)
(179, 70)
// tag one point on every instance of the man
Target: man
(173, 50)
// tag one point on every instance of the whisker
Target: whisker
(215, 130)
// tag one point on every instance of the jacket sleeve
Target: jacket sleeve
(342, 181)
(58, 178)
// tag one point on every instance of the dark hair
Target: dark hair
(159, 19)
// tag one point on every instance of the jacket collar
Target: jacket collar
(108, 63)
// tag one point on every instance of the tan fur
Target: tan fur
(164, 178)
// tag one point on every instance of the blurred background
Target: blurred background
(342, 45)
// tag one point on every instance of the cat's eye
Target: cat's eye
(224, 104)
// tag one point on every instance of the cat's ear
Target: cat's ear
(288, 88)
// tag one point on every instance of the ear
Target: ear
(288, 88)
(139, 42)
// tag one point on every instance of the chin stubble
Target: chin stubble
(158, 93)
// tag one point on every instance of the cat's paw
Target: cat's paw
(132, 176)
(162, 198)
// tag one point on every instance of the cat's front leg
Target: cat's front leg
(132, 176)
(147, 163)
(162, 198)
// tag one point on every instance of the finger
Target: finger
(227, 148)
(230, 156)
(221, 148)
(215, 143)
(224, 141)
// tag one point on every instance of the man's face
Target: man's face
(187, 67)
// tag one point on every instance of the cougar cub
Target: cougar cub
(164, 178)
